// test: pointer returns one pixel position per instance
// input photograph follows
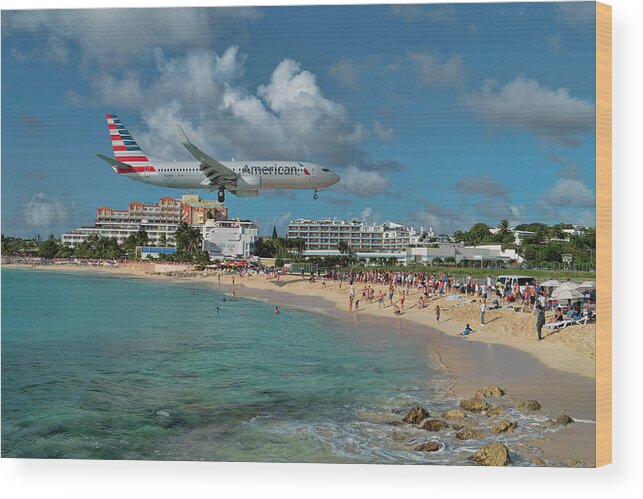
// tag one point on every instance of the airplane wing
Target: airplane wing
(115, 163)
(217, 173)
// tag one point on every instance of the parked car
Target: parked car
(513, 279)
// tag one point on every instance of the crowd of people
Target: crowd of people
(395, 289)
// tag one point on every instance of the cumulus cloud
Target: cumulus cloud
(482, 185)
(553, 115)
(113, 37)
(568, 192)
(280, 222)
(41, 213)
(363, 183)
(431, 70)
(383, 132)
(443, 220)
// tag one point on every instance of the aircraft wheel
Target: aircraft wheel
(315, 196)
(221, 196)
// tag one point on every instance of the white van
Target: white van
(513, 279)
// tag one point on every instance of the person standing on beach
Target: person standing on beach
(350, 303)
(402, 298)
(437, 313)
(483, 309)
(540, 319)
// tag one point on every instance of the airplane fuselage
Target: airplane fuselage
(253, 175)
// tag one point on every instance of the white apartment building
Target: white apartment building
(229, 238)
(326, 235)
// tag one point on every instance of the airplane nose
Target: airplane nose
(335, 178)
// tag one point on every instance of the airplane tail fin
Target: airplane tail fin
(126, 150)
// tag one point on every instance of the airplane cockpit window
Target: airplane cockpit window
(325, 170)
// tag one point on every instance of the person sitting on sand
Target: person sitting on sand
(437, 313)
(558, 316)
(467, 331)
(495, 304)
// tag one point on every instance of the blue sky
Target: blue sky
(441, 115)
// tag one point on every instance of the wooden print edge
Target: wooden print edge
(603, 234)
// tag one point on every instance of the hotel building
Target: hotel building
(157, 220)
(326, 235)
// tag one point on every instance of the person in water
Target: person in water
(276, 310)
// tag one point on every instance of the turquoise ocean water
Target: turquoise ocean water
(100, 366)
(105, 367)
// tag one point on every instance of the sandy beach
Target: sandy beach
(557, 371)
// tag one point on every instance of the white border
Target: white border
(109, 479)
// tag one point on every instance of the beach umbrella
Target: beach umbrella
(552, 283)
(569, 285)
(585, 286)
(566, 294)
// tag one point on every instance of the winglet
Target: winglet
(184, 136)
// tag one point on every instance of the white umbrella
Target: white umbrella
(586, 285)
(552, 283)
(566, 294)
(569, 285)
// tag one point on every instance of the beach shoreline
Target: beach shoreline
(559, 377)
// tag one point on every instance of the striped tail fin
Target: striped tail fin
(126, 150)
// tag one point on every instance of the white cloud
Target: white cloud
(443, 220)
(385, 133)
(553, 115)
(430, 70)
(43, 214)
(280, 222)
(363, 183)
(113, 37)
(570, 193)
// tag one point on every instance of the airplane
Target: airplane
(241, 178)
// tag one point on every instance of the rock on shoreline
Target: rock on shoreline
(416, 415)
(495, 454)
(528, 405)
(489, 391)
(474, 405)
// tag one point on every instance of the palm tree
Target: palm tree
(504, 227)
(163, 241)
(188, 239)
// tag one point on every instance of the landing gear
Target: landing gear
(315, 196)
(221, 195)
